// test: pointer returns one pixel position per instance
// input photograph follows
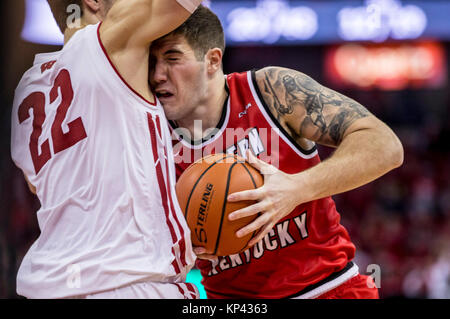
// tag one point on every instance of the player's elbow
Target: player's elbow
(388, 148)
(394, 153)
(400, 154)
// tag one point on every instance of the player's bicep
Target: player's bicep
(308, 109)
(139, 22)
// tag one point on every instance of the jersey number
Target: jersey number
(61, 141)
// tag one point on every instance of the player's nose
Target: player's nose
(158, 74)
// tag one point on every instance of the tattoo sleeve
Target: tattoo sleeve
(309, 109)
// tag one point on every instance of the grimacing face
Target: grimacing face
(178, 79)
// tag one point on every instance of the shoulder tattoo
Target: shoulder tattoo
(320, 114)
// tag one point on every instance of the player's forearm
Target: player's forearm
(167, 15)
(363, 156)
(134, 23)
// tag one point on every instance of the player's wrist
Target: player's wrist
(305, 189)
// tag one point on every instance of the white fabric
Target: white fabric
(190, 5)
(102, 220)
(352, 272)
(147, 290)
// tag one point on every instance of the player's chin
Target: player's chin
(172, 114)
(170, 107)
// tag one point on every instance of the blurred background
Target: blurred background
(390, 55)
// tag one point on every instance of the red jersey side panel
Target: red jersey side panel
(304, 247)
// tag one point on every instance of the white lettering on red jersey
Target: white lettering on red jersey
(303, 248)
(99, 156)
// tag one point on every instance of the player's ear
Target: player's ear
(92, 5)
(214, 60)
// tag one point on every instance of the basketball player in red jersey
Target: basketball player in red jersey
(93, 143)
(277, 115)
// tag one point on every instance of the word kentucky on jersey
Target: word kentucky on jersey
(279, 237)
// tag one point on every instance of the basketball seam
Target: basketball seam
(224, 207)
(254, 184)
(198, 180)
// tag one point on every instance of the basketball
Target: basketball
(202, 192)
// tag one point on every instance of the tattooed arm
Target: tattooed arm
(365, 147)
(305, 108)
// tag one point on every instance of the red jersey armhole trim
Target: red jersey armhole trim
(117, 72)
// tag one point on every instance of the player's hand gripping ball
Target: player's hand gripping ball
(202, 192)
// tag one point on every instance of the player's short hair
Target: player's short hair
(59, 10)
(203, 31)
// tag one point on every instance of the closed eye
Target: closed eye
(173, 55)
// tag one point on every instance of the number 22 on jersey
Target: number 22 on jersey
(61, 141)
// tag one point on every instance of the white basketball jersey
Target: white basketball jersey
(100, 157)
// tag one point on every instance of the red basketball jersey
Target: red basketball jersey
(304, 248)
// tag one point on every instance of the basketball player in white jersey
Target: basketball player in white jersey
(92, 141)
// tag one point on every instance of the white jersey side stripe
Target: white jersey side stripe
(181, 233)
(163, 190)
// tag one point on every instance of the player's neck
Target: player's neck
(209, 112)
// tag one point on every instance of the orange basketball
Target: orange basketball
(202, 192)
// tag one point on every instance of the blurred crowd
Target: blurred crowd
(401, 221)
